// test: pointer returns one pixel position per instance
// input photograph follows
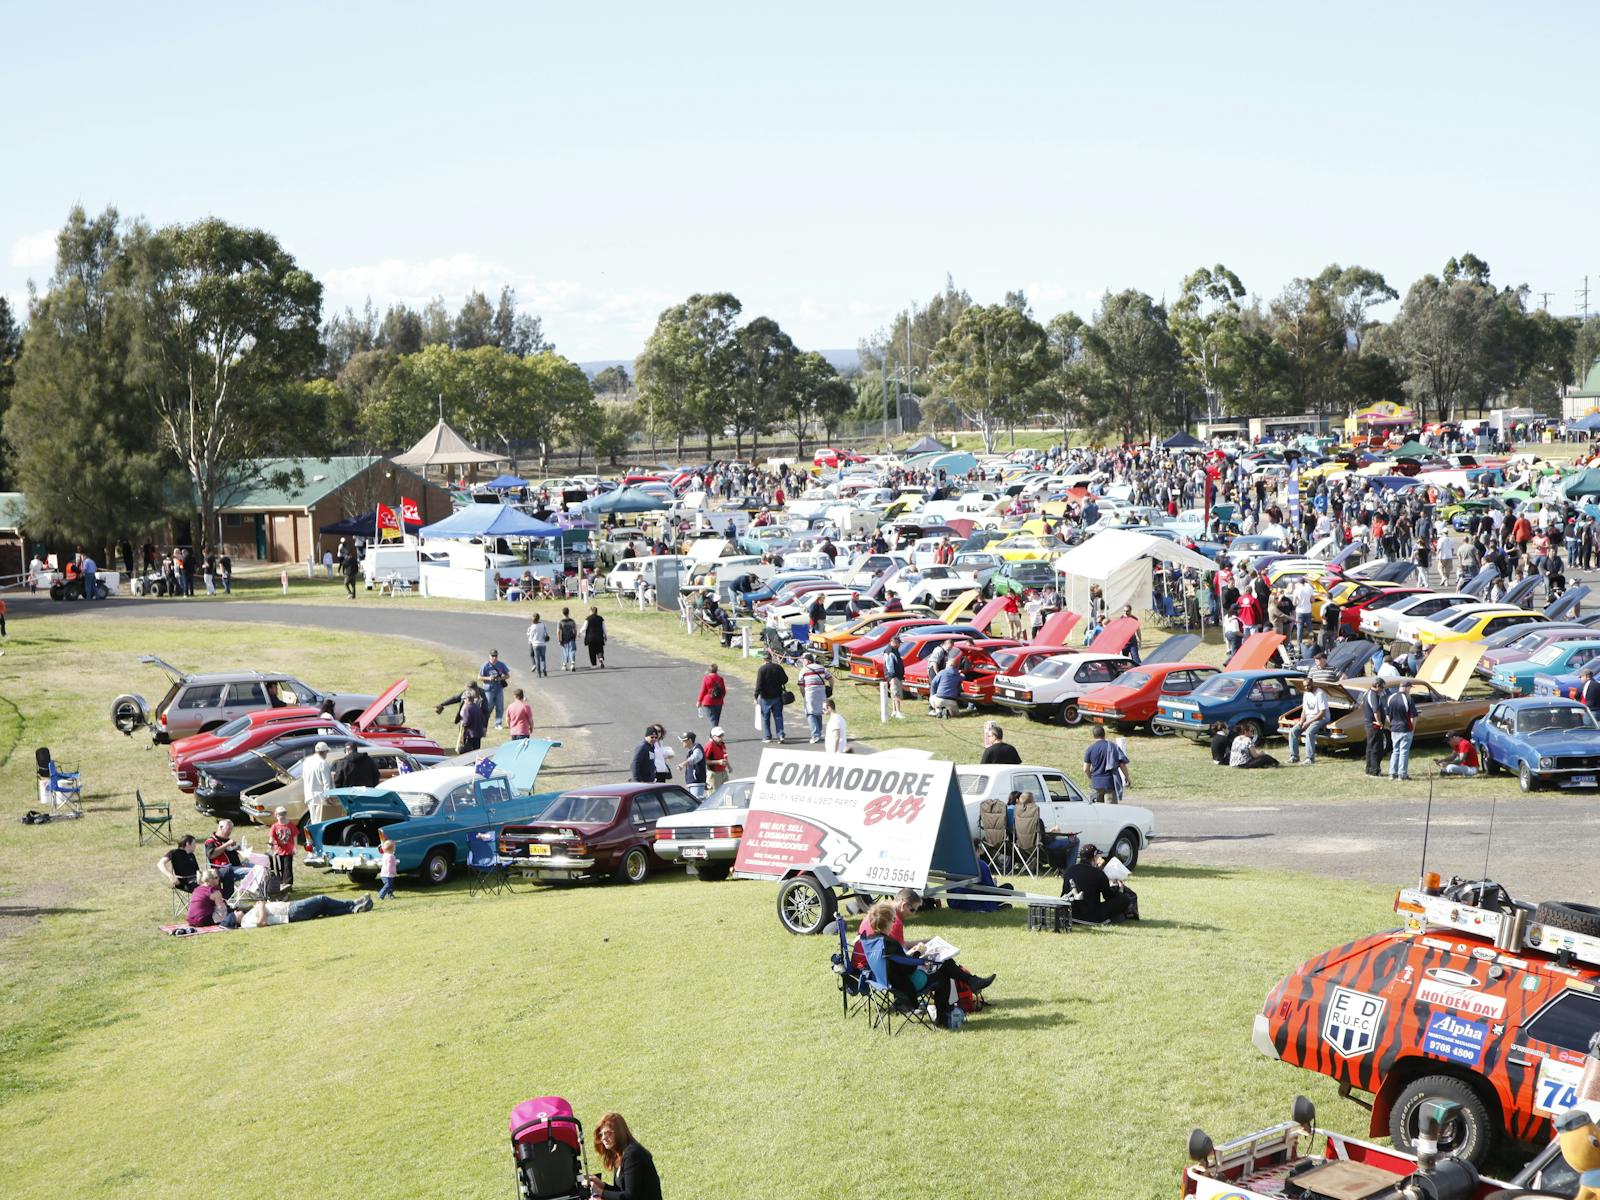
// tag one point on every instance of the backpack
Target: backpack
(718, 691)
(568, 630)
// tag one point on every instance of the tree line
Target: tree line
(1457, 345)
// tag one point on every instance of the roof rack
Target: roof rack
(1514, 931)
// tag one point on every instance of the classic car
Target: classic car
(1024, 575)
(836, 604)
(1135, 696)
(1503, 650)
(937, 584)
(196, 703)
(1026, 547)
(286, 789)
(598, 831)
(199, 743)
(220, 784)
(1121, 830)
(982, 668)
(1250, 702)
(431, 815)
(707, 839)
(1439, 690)
(972, 655)
(1559, 658)
(1473, 624)
(822, 645)
(914, 644)
(1053, 686)
(1541, 739)
(1381, 616)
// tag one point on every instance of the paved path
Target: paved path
(1544, 846)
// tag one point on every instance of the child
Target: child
(281, 838)
(388, 868)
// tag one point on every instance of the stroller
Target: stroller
(547, 1150)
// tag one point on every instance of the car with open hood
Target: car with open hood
(1381, 616)
(198, 703)
(431, 815)
(286, 788)
(1444, 690)
(1541, 740)
(220, 785)
(1052, 687)
(1516, 678)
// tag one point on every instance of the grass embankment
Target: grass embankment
(382, 1051)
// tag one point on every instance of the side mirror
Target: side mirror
(1201, 1148)
(1304, 1113)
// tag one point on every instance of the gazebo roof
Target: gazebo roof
(442, 446)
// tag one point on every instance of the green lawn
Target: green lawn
(380, 1053)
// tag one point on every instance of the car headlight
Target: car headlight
(1546, 764)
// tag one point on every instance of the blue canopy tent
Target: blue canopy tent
(623, 500)
(364, 525)
(490, 521)
(1588, 423)
(506, 483)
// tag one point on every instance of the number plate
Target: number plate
(694, 851)
(1582, 780)
(538, 849)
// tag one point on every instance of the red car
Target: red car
(914, 647)
(880, 636)
(597, 831)
(260, 732)
(1133, 697)
(976, 656)
(198, 743)
(830, 457)
(1365, 598)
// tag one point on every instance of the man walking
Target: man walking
(492, 677)
(350, 566)
(694, 766)
(643, 767)
(519, 717)
(1303, 595)
(717, 758)
(996, 749)
(771, 680)
(1106, 766)
(1402, 710)
(538, 644)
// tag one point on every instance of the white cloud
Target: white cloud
(34, 250)
(412, 281)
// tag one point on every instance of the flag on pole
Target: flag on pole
(409, 512)
(388, 524)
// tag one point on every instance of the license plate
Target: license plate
(537, 849)
(694, 851)
(1583, 780)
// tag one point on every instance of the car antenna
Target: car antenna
(1494, 801)
(1427, 823)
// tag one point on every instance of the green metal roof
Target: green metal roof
(1591, 381)
(322, 476)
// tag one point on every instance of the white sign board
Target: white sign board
(871, 820)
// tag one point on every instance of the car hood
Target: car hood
(1563, 741)
(1449, 666)
(375, 709)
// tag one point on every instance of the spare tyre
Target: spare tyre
(1574, 918)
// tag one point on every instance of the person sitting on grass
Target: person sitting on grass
(275, 912)
(1098, 898)
(1221, 743)
(222, 851)
(1463, 761)
(1244, 753)
(207, 905)
(633, 1170)
(180, 866)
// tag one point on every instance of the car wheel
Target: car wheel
(1525, 779)
(1465, 1132)
(633, 866)
(56, 591)
(1126, 848)
(101, 592)
(1160, 729)
(1485, 761)
(360, 835)
(713, 872)
(805, 907)
(1253, 729)
(1069, 713)
(436, 867)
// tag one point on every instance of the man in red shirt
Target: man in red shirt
(282, 837)
(519, 717)
(1463, 760)
(717, 758)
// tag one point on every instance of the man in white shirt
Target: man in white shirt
(1446, 548)
(836, 733)
(1303, 595)
(275, 912)
(315, 780)
(1314, 714)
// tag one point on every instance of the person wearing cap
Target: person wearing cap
(717, 758)
(281, 838)
(1402, 713)
(315, 780)
(1374, 716)
(492, 678)
(694, 765)
(643, 769)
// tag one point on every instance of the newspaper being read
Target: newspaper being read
(937, 949)
(1116, 872)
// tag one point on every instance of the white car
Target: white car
(935, 586)
(835, 606)
(1384, 623)
(1054, 687)
(707, 839)
(1121, 830)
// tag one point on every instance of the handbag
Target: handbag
(788, 697)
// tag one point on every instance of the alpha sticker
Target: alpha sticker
(1351, 1026)
(1467, 1000)
(1455, 1038)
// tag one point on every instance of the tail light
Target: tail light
(576, 849)
(728, 831)
(664, 835)
(162, 720)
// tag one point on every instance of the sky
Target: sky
(829, 164)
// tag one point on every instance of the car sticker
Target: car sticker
(1455, 1038)
(1462, 999)
(1351, 1026)
(1557, 1087)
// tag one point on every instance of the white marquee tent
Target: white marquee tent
(1119, 562)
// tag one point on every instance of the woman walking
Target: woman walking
(594, 637)
(538, 643)
(567, 635)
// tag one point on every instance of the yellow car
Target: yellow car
(1323, 470)
(1475, 624)
(1025, 546)
(822, 644)
(1287, 568)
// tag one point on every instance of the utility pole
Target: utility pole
(1585, 295)
(1544, 301)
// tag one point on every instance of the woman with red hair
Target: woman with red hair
(633, 1170)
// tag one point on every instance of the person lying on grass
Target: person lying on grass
(274, 912)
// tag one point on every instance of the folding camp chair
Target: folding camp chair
(855, 984)
(781, 648)
(994, 839)
(486, 870)
(1028, 841)
(59, 791)
(892, 1008)
(155, 817)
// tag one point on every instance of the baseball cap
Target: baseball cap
(717, 732)
(322, 747)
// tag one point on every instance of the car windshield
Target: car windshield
(576, 807)
(733, 794)
(1548, 655)
(1132, 680)
(1465, 621)
(1218, 687)
(937, 572)
(1536, 720)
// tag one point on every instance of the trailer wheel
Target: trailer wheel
(805, 907)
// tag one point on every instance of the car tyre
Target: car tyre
(1525, 779)
(1485, 761)
(1069, 713)
(1126, 848)
(1161, 729)
(805, 907)
(436, 866)
(1574, 918)
(713, 872)
(633, 866)
(1253, 729)
(1467, 1133)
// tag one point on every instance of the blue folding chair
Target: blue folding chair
(486, 870)
(889, 1003)
(855, 985)
(62, 790)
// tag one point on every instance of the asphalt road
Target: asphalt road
(1541, 845)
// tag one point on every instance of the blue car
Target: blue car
(1543, 739)
(431, 815)
(1563, 658)
(1249, 701)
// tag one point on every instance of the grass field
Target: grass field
(379, 1053)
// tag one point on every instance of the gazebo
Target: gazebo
(442, 446)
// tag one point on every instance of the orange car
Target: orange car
(1479, 1001)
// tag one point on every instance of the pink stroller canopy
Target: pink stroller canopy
(536, 1114)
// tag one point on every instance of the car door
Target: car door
(246, 696)
(1069, 810)
(1266, 699)
(494, 797)
(1095, 673)
(1566, 1022)
(643, 814)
